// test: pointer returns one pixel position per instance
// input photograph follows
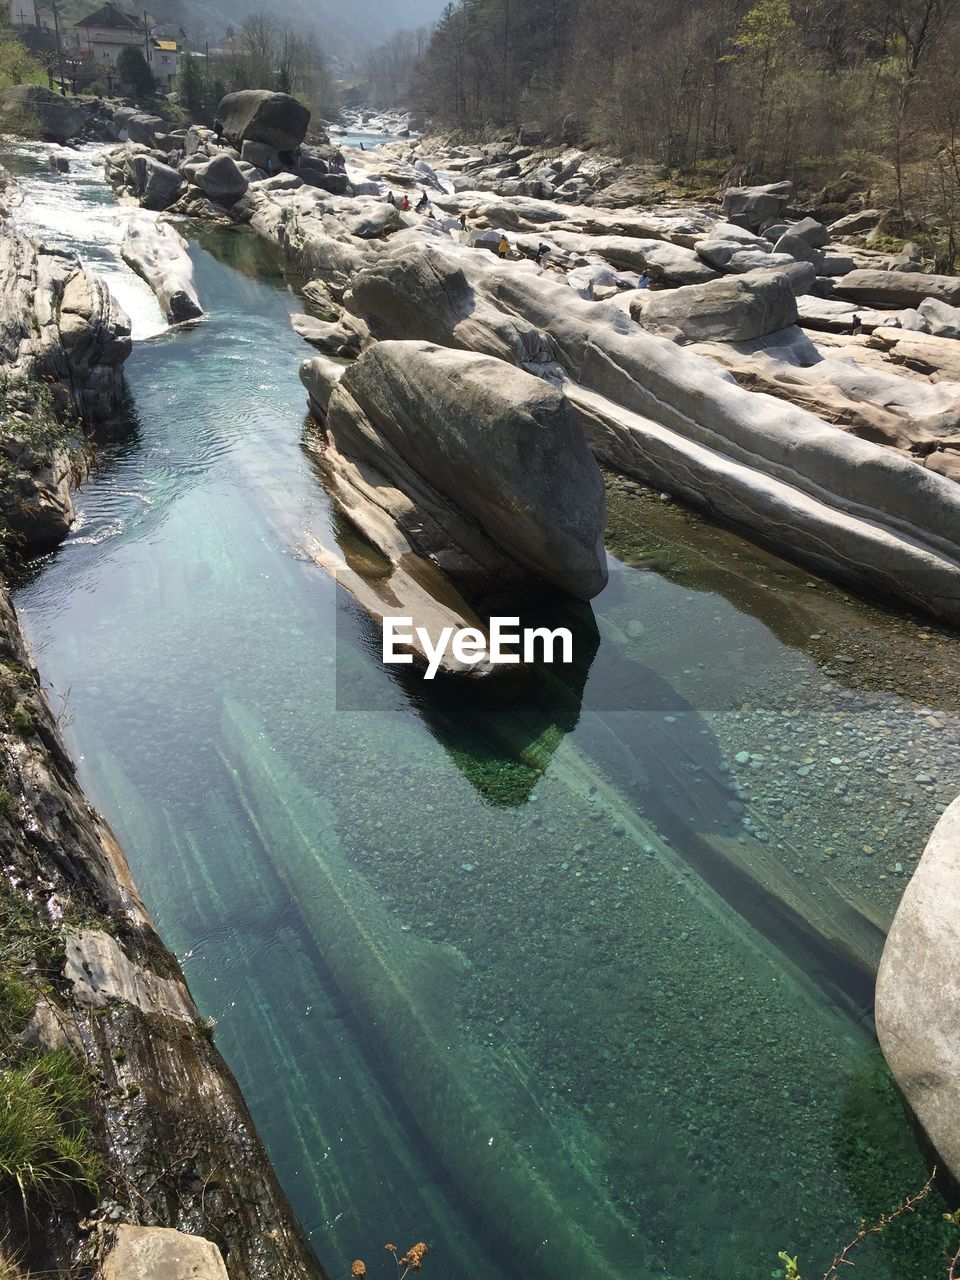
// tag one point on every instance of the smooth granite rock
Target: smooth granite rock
(918, 991)
(158, 254)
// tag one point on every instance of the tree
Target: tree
(133, 70)
(17, 63)
(191, 83)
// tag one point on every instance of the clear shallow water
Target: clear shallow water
(504, 980)
(357, 138)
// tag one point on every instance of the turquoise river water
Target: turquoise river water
(554, 986)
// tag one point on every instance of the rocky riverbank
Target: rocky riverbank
(745, 357)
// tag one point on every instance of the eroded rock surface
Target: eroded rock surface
(426, 416)
(158, 253)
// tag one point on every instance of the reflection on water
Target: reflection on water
(544, 984)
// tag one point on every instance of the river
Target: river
(519, 982)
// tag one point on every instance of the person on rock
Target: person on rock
(391, 199)
(218, 132)
(857, 325)
(405, 204)
(503, 248)
(463, 221)
(423, 204)
(337, 162)
(542, 251)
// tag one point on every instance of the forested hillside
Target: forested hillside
(804, 89)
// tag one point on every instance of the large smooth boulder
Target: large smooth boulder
(937, 318)
(897, 288)
(753, 206)
(220, 179)
(141, 127)
(257, 115)
(161, 1253)
(59, 118)
(735, 309)
(918, 991)
(157, 185)
(855, 223)
(800, 249)
(809, 229)
(499, 444)
(158, 254)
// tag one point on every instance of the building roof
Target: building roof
(108, 15)
(168, 46)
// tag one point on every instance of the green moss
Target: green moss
(21, 721)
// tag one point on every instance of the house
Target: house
(164, 59)
(107, 31)
(27, 13)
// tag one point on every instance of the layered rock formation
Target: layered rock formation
(737, 285)
(59, 322)
(62, 338)
(416, 419)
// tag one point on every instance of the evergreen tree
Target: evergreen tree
(133, 70)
